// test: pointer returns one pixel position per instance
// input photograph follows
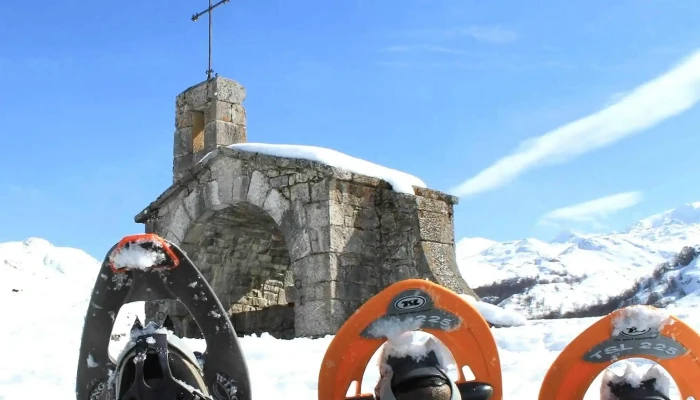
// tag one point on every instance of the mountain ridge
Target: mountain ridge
(579, 274)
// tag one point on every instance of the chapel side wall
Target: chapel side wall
(434, 212)
(355, 247)
(401, 236)
(380, 237)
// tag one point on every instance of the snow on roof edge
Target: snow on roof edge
(400, 181)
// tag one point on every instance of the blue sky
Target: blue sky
(442, 89)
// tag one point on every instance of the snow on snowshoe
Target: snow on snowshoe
(147, 268)
(415, 366)
(158, 365)
(631, 332)
(413, 305)
(635, 384)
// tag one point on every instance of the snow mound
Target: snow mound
(400, 181)
(496, 315)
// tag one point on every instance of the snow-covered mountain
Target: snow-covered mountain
(588, 274)
(35, 268)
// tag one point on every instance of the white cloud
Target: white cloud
(614, 98)
(593, 211)
(668, 95)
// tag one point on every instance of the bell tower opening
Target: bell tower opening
(197, 131)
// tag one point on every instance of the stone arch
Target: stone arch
(243, 253)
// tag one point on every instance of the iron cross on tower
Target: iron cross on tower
(196, 17)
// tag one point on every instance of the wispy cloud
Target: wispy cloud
(668, 95)
(614, 98)
(594, 212)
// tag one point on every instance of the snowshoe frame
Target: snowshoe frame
(674, 347)
(443, 313)
(225, 370)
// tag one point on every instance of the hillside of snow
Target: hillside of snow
(578, 275)
(44, 292)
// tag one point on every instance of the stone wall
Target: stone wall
(379, 237)
(273, 233)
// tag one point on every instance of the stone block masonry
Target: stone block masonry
(293, 247)
(207, 115)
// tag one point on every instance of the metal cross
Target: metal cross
(196, 17)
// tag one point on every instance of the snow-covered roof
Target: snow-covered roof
(400, 181)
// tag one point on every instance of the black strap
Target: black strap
(419, 383)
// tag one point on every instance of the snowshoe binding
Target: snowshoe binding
(646, 390)
(156, 364)
(425, 378)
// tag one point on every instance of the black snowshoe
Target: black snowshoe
(156, 364)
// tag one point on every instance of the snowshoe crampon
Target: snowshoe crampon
(631, 332)
(413, 304)
(155, 365)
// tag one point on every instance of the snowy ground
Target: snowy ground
(43, 358)
(44, 305)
